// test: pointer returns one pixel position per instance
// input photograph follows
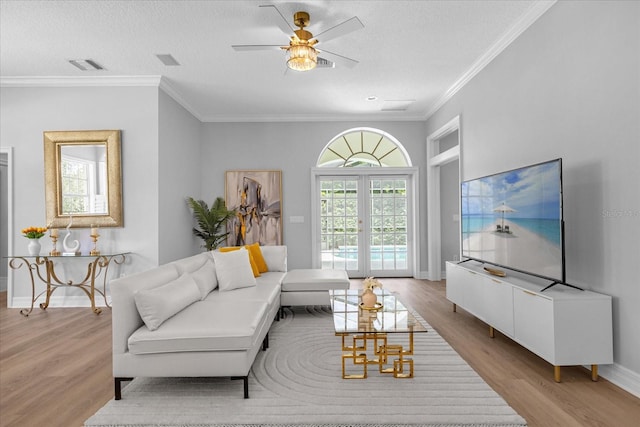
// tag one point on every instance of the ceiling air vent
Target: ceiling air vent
(397, 105)
(167, 59)
(86, 64)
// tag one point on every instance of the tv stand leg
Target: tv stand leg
(492, 333)
(556, 373)
(594, 372)
(455, 307)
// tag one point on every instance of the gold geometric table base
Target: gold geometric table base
(401, 366)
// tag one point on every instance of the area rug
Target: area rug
(298, 382)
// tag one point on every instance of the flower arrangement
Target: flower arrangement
(34, 232)
(370, 282)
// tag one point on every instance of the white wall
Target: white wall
(179, 177)
(569, 87)
(449, 204)
(28, 112)
(4, 218)
(293, 148)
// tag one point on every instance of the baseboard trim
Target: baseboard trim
(423, 275)
(59, 301)
(624, 378)
(3, 284)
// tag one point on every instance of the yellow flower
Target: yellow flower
(34, 232)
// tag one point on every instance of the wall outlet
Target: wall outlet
(296, 219)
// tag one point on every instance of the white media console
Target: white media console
(562, 325)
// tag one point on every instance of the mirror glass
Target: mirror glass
(83, 178)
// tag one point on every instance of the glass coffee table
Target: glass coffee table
(371, 330)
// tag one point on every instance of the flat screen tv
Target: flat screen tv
(514, 219)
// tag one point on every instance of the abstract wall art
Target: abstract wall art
(256, 196)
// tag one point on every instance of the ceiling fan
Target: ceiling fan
(301, 51)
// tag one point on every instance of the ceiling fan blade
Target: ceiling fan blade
(339, 59)
(339, 30)
(247, 47)
(279, 19)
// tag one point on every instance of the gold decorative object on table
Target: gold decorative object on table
(94, 238)
(53, 233)
(375, 307)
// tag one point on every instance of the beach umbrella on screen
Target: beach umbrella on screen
(502, 209)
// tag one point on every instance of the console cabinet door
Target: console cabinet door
(499, 305)
(475, 295)
(466, 289)
(533, 323)
(455, 284)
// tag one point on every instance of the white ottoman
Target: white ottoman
(310, 286)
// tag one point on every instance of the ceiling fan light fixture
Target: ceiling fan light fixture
(302, 57)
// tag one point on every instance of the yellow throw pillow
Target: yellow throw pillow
(256, 253)
(254, 266)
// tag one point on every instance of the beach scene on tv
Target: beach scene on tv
(514, 219)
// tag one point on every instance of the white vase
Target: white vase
(34, 247)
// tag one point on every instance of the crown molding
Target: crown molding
(100, 81)
(170, 90)
(79, 81)
(526, 20)
(315, 118)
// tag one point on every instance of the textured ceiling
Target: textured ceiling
(415, 51)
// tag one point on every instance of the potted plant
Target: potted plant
(211, 221)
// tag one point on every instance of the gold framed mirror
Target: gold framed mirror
(83, 178)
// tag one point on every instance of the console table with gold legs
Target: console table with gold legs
(42, 269)
(372, 332)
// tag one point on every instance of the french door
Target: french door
(364, 224)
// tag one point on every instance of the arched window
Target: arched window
(364, 147)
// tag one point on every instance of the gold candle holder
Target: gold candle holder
(94, 237)
(54, 239)
(95, 251)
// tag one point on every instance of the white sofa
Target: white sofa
(217, 335)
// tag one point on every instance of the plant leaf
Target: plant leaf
(210, 221)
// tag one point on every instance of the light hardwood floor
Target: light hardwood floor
(55, 367)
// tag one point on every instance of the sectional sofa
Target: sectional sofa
(207, 315)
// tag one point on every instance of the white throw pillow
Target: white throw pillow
(233, 270)
(205, 278)
(158, 304)
(275, 257)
